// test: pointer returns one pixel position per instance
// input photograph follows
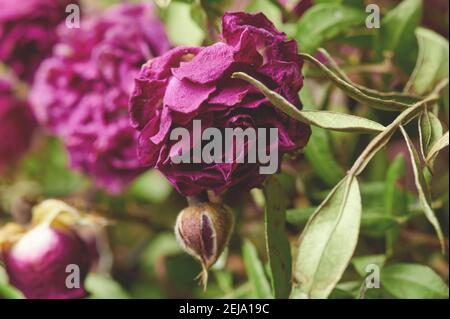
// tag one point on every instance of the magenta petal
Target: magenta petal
(146, 98)
(160, 67)
(185, 96)
(231, 94)
(164, 127)
(234, 23)
(148, 151)
(210, 64)
(247, 49)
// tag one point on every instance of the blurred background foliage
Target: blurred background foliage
(139, 256)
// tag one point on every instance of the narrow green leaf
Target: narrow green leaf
(403, 17)
(387, 96)
(377, 223)
(397, 31)
(328, 241)
(319, 154)
(430, 130)
(318, 151)
(382, 103)
(432, 62)
(395, 171)
(341, 122)
(104, 287)
(325, 21)
(277, 243)
(412, 281)
(395, 201)
(422, 188)
(381, 139)
(436, 148)
(255, 271)
(324, 119)
(373, 222)
(299, 216)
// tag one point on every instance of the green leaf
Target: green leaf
(385, 96)
(50, 168)
(9, 292)
(373, 222)
(164, 244)
(162, 3)
(151, 187)
(269, 9)
(319, 154)
(325, 21)
(445, 101)
(381, 139)
(422, 188)
(277, 243)
(299, 216)
(436, 148)
(6, 290)
(394, 173)
(181, 28)
(318, 151)
(395, 201)
(412, 281)
(388, 101)
(340, 121)
(397, 30)
(360, 263)
(328, 241)
(324, 119)
(432, 61)
(376, 222)
(104, 287)
(430, 130)
(255, 271)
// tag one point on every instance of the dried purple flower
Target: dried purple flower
(188, 84)
(17, 125)
(81, 93)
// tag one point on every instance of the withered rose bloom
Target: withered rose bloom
(189, 83)
(81, 93)
(28, 32)
(17, 125)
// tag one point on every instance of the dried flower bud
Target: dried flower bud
(37, 263)
(37, 256)
(203, 229)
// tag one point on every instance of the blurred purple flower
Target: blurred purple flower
(28, 32)
(38, 263)
(17, 125)
(195, 83)
(81, 93)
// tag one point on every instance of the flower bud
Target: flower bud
(37, 264)
(47, 259)
(203, 230)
